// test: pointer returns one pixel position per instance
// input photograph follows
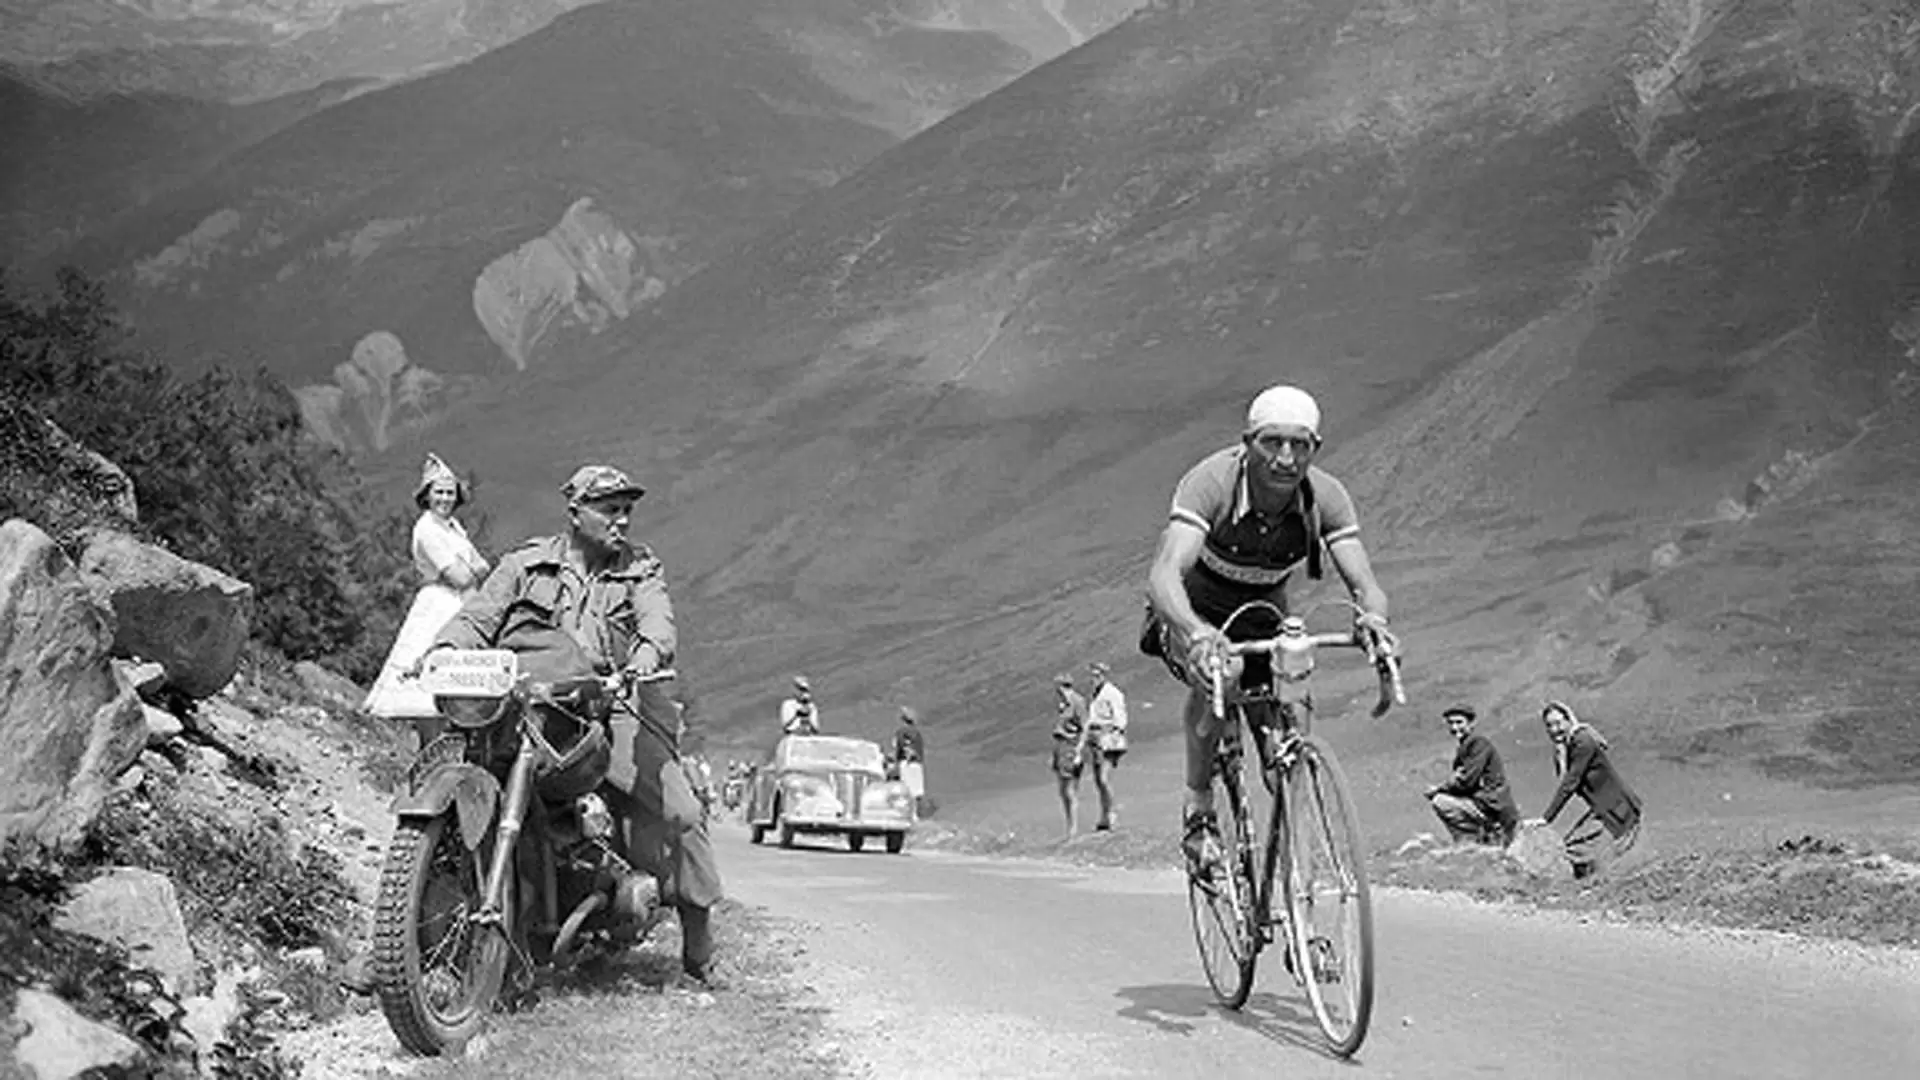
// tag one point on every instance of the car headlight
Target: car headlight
(890, 801)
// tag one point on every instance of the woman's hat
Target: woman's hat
(432, 473)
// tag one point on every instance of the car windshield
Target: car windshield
(830, 753)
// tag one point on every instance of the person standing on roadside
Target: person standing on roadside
(910, 755)
(1107, 730)
(1611, 825)
(1474, 803)
(1069, 747)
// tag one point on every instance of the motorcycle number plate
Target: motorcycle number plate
(469, 673)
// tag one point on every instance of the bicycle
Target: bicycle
(1311, 827)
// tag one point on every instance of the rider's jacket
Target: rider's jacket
(799, 717)
(609, 613)
(1249, 555)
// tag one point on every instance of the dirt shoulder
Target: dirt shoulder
(626, 1018)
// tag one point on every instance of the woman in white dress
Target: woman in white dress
(450, 570)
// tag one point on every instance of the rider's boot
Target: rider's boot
(1200, 843)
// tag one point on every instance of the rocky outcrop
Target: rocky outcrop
(60, 1043)
(378, 394)
(68, 723)
(67, 485)
(581, 273)
(138, 911)
(190, 619)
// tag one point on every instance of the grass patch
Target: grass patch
(627, 1017)
(1814, 886)
(249, 877)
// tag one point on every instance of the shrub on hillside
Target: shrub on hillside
(221, 467)
(250, 877)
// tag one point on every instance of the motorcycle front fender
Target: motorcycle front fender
(468, 788)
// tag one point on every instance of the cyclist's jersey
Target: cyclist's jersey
(1247, 555)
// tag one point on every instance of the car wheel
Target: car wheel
(896, 842)
(780, 822)
(759, 833)
(856, 841)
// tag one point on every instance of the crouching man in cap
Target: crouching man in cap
(1475, 803)
(609, 596)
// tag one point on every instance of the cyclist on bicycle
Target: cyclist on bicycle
(1243, 520)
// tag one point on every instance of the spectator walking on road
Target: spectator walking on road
(1069, 746)
(1107, 730)
(1474, 803)
(798, 714)
(1611, 824)
(910, 755)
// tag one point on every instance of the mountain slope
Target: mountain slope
(72, 164)
(245, 51)
(1582, 290)
(690, 124)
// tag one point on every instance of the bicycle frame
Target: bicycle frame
(1287, 700)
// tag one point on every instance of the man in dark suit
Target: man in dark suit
(1611, 824)
(1474, 803)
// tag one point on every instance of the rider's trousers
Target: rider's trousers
(667, 828)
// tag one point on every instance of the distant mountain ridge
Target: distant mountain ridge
(238, 51)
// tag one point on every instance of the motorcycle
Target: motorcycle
(504, 852)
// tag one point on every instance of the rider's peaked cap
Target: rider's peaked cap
(1460, 710)
(1283, 406)
(591, 482)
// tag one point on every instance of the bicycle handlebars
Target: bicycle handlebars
(1293, 639)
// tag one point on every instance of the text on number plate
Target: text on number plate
(469, 673)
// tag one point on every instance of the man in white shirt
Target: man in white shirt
(798, 714)
(1107, 731)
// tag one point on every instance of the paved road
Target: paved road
(942, 966)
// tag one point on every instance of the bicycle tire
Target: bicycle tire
(1226, 908)
(1325, 831)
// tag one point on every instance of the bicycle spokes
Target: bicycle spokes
(1332, 932)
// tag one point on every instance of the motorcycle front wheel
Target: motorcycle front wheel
(436, 970)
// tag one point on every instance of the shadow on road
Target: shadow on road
(1173, 1008)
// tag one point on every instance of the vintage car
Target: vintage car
(829, 784)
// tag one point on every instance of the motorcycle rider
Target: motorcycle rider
(1243, 520)
(610, 596)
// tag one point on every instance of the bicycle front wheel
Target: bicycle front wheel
(1223, 903)
(1328, 899)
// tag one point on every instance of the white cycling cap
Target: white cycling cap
(1284, 406)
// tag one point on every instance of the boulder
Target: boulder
(68, 723)
(1538, 849)
(162, 726)
(60, 1043)
(190, 619)
(138, 911)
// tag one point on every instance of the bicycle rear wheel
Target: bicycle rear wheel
(1223, 907)
(1328, 898)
